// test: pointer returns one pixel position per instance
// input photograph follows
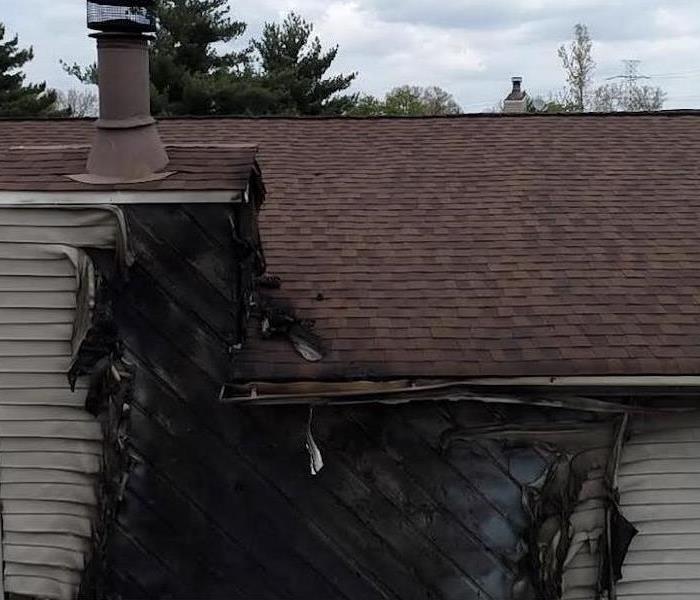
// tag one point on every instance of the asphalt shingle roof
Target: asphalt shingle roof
(194, 167)
(471, 246)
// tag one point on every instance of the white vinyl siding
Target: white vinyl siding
(660, 495)
(50, 447)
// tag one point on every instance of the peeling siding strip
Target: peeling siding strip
(582, 564)
(50, 447)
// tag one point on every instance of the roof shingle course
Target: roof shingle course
(194, 168)
(471, 247)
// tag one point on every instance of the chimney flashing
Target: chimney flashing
(128, 123)
(91, 179)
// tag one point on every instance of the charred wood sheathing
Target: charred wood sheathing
(576, 536)
(109, 398)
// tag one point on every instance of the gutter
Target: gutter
(594, 381)
(548, 392)
(72, 198)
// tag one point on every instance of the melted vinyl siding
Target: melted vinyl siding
(660, 495)
(580, 576)
(50, 447)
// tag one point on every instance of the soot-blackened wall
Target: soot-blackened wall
(219, 501)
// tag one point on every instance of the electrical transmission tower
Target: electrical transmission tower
(631, 75)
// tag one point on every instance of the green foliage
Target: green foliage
(85, 75)
(184, 55)
(367, 106)
(293, 66)
(17, 98)
(189, 75)
(283, 72)
(408, 101)
(221, 93)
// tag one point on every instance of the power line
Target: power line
(678, 74)
(631, 74)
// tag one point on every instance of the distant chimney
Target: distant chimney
(127, 145)
(516, 101)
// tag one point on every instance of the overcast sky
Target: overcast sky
(469, 47)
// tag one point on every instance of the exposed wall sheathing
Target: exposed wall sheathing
(50, 446)
(220, 502)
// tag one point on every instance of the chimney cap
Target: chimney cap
(121, 16)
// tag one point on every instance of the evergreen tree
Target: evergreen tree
(294, 66)
(18, 99)
(189, 76)
(184, 60)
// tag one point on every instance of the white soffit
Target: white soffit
(118, 197)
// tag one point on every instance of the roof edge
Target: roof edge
(480, 115)
(403, 390)
(116, 197)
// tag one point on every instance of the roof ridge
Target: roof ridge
(480, 115)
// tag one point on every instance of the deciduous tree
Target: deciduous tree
(628, 94)
(408, 101)
(579, 66)
(78, 103)
(581, 95)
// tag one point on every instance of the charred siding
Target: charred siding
(220, 502)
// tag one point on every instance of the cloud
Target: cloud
(399, 52)
(56, 30)
(470, 47)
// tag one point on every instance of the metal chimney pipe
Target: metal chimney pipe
(127, 145)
